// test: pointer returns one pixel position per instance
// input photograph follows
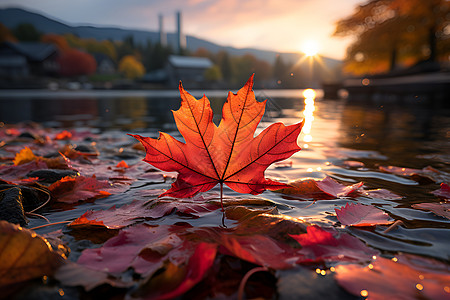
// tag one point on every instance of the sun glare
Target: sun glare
(310, 48)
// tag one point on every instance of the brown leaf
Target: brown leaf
(24, 255)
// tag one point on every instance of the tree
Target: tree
(26, 32)
(225, 65)
(393, 32)
(75, 63)
(213, 73)
(280, 70)
(131, 67)
(58, 40)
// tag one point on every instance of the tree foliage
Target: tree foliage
(390, 33)
(131, 67)
(58, 40)
(74, 62)
(26, 32)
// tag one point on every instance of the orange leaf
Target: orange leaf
(24, 156)
(228, 153)
(24, 255)
(122, 164)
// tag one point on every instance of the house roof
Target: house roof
(190, 62)
(33, 51)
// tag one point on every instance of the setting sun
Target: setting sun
(310, 48)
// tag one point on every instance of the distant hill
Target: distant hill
(11, 17)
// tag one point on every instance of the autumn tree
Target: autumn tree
(393, 32)
(58, 40)
(131, 67)
(74, 62)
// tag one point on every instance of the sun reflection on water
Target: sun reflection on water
(308, 114)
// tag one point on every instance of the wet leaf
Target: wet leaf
(24, 255)
(362, 215)
(333, 188)
(180, 278)
(320, 244)
(440, 209)
(380, 194)
(405, 277)
(227, 153)
(140, 247)
(72, 190)
(443, 192)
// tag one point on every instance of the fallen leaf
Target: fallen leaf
(307, 188)
(24, 255)
(320, 245)
(80, 188)
(324, 189)
(381, 194)
(194, 271)
(443, 191)
(24, 156)
(259, 249)
(426, 175)
(227, 153)
(440, 209)
(117, 218)
(140, 247)
(356, 214)
(333, 188)
(404, 277)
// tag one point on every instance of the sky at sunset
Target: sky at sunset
(279, 25)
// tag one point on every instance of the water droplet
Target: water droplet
(318, 271)
(419, 286)
(394, 259)
(323, 272)
(364, 293)
(61, 292)
(370, 266)
(332, 269)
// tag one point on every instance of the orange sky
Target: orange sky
(279, 25)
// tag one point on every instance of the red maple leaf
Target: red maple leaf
(362, 215)
(228, 153)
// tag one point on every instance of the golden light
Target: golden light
(309, 93)
(310, 48)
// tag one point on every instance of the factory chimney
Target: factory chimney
(181, 40)
(162, 34)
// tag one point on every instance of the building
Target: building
(27, 59)
(190, 70)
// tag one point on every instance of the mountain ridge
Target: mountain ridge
(12, 16)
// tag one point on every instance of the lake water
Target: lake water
(348, 141)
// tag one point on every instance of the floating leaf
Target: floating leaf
(443, 192)
(356, 214)
(440, 209)
(333, 188)
(320, 244)
(227, 153)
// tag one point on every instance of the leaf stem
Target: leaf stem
(245, 279)
(221, 196)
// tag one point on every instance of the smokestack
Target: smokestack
(181, 40)
(162, 34)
